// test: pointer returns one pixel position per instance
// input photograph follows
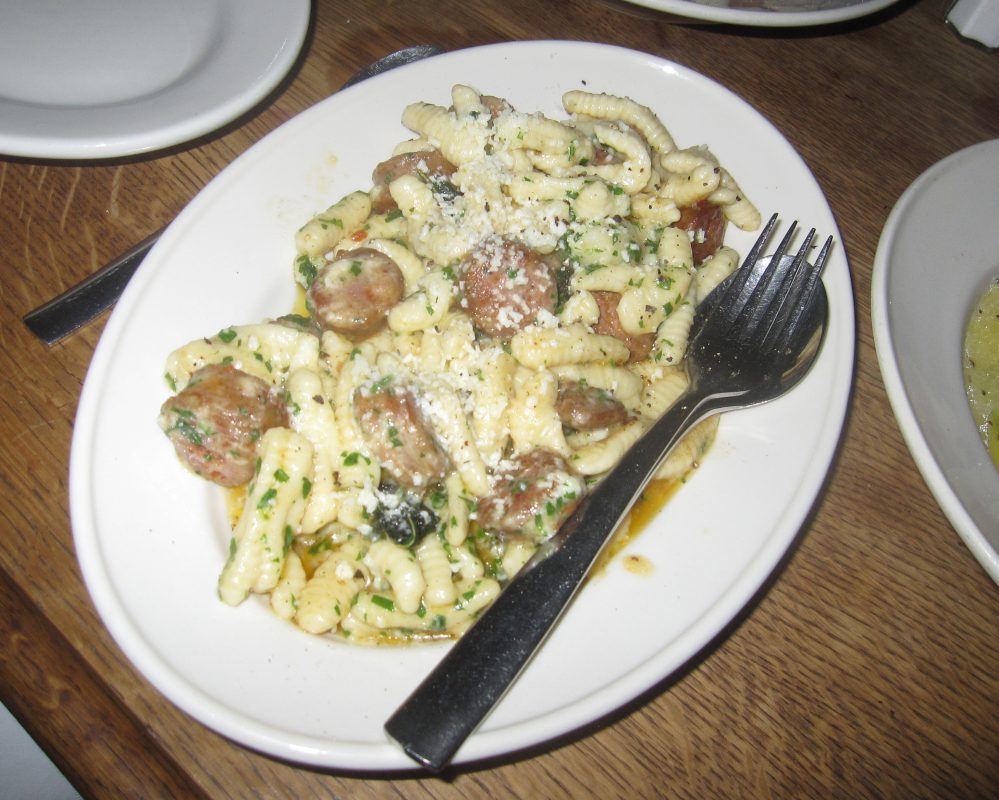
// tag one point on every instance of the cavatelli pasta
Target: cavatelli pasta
(268, 350)
(673, 334)
(325, 230)
(713, 271)
(327, 596)
(285, 595)
(534, 422)
(639, 117)
(460, 138)
(312, 416)
(598, 457)
(399, 568)
(432, 557)
(344, 540)
(573, 344)
(270, 518)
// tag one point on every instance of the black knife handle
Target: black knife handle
(76, 307)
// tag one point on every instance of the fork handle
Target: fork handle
(457, 695)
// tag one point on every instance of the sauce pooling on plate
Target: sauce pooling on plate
(981, 367)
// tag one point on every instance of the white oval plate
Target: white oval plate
(768, 13)
(101, 78)
(937, 253)
(151, 538)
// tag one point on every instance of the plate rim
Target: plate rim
(763, 18)
(284, 47)
(721, 611)
(918, 443)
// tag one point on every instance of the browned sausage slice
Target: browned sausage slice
(506, 285)
(216, 421)
(588, 408)
(609, 324)
(353, 294)
(428, 164)
(705, 223)
(392, 426)
(532, 498)
(495, 105)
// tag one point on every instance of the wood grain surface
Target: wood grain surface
(869, 666)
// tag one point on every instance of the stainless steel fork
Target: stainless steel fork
(753, 338)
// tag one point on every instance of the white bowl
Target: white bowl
(937, 253)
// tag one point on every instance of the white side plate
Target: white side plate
(100, 79)
(768, 13)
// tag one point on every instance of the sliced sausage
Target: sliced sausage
(532, 498)
(392, 426)
(588, 408)
(353, 294)
(506, 285)
(428, 164)
(609, 324)
(495, 105)
(705, 223)
(216, 421)
(603, 155)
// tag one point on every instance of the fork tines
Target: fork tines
(793, 296)
(802, 278)
(767, 298)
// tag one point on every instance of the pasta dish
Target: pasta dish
(487, 328)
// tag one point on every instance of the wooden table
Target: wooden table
(869, 668)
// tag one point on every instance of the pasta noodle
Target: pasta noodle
(270, 517)
(539, 348)
(713, 271)
(436, 569)
(488, 330)
(327, 596)
(268, 351)
(324, 231)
